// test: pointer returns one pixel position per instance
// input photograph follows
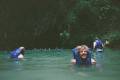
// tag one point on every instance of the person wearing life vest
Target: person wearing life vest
(98, 45)
(82, 56)
(17, 53)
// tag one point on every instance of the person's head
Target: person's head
(96, 38)
(22, 50)
(83, 51)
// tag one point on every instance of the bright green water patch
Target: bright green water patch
(55, 65)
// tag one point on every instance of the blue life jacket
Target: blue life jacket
(79, 61)
(15, 53)
(99, 44)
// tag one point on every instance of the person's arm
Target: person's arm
(73, 61)
(94, 44)
(93, 61)
(103, 45)
(20, 56)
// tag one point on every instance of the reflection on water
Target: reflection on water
(55, 65)
(99, 60)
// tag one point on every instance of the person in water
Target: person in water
(82, 56)
(17, 53)
(98, 45)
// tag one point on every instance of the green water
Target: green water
(55, 65)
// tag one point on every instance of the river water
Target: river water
(55, 65)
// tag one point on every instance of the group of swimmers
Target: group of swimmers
(81, 54)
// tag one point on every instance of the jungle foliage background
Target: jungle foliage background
(58, 23)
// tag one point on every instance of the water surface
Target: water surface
(55, 65)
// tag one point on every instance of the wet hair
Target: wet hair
(22, 50)
(82, 47)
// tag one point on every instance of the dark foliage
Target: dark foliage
(38, 23)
